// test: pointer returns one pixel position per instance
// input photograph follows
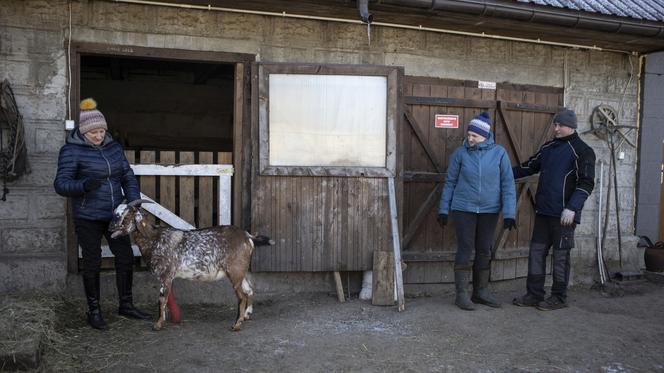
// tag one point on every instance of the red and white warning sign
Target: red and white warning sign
(446, 121)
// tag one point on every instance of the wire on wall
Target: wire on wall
(69, 67)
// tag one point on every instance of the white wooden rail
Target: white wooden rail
(223, 172)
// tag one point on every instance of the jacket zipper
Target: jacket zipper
(108, 178)
(479, 195)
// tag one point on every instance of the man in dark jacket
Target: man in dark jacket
(566, 166)
(94, 173)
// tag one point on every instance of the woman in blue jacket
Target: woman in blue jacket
(478, 186)
(94, 173)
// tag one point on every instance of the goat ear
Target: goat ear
(138, 217)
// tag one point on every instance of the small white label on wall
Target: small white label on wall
(486, 85)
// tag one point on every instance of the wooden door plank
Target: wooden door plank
(237, 155)
(424, 210)
(205, 196)
(421, 160)
(187, 198)
(148, 183)
(167, 183)
(421, 137)
(383, 279)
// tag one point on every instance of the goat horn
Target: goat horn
(138, 201)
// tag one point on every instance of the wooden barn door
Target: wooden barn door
(521, 116)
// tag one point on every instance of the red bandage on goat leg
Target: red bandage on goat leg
(173, 308)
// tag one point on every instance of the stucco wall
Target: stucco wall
(33, 57)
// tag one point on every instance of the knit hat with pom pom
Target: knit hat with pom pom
(481, 124)
(90, 117)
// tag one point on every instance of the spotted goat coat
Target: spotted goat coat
(207, 254)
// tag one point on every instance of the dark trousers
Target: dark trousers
(474, 232)
(548, 233)
(89, 234)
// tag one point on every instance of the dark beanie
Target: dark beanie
(481, 124)
(566, 118)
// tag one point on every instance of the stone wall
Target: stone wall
(33, 46)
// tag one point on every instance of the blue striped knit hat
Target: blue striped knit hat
(481, 124)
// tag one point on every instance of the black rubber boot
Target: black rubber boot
(481, 293)
(124, 282)
(461, 279)
(94, 317)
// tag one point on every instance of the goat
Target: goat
(206, 254)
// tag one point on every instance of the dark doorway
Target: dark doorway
(163, 104)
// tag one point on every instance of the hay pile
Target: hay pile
(48, 333)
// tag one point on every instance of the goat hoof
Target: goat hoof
(236, 328)
(157, 327)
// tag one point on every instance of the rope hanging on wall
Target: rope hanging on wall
(13, 154)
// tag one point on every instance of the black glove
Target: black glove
(91, 184)
(509, 224)
(442, 219)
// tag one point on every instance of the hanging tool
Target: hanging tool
(601, 265)
(604, 124)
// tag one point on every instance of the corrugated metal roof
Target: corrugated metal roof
(651, 10)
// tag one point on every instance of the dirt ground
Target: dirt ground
(315, 333)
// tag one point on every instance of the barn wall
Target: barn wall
(33, 58)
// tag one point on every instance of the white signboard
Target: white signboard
(486, 85)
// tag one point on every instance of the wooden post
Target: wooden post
(396, 244)
(340, 287)
(661, 198)
(382, 280)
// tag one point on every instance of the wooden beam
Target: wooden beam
(339, 286)
(382, 279)
(422, 213)
(532, 107)
(423, 177)
(182, 169)
(448, 256)
(421, 138)
(513, 143)
(165, 215)
(448, 101)
(396, 244)
(502, 235)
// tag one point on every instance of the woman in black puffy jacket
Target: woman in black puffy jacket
(94, 173)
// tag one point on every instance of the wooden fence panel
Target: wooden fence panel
(167, 183)
(321, 223)
(206, 205)
(187, 195)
